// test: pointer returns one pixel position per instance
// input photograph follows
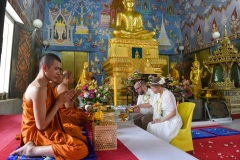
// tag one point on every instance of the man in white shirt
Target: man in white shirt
(143, 109)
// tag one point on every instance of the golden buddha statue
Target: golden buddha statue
(195, 77)
(148, 68)
(129, 23)
(84, 77)
(174, 74)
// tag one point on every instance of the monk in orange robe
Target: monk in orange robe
(42, 132)
(68, 126)
(69, 110)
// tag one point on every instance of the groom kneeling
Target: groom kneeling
(143, 108)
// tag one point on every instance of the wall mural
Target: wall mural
(83, 25)
(200, 18)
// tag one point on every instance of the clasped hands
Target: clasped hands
(66, 96)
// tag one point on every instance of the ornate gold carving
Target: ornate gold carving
(226, 55)
(120, 61)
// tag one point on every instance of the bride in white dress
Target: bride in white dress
(166, 120)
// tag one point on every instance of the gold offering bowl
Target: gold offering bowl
(123, 116)
(130, 110)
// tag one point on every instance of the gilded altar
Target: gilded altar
(123, 60)
(231, 98)
(222, 62)
(132, 48)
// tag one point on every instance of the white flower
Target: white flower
(86, 95)
(162, 81)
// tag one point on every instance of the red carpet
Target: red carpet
(10, 126)
(220, 147)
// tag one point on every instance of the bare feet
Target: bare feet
(24, 150)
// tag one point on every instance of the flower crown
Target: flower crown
(161, 81)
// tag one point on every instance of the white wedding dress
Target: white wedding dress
(165, 130)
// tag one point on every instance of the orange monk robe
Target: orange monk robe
(69, 127)
(75, 115)
(64, 146)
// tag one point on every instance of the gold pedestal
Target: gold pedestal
(121, 62)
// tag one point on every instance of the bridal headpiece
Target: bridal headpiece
(161, 81)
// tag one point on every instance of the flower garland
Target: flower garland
(158, 106)
(146, 98)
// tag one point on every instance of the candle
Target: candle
(115, 90)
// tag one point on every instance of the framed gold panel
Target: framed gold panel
(74, 61)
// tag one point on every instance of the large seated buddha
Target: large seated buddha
(129, 23)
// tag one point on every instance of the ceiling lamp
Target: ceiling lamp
(216, 35)
(37, 23)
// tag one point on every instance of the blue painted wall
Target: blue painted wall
(200, 18)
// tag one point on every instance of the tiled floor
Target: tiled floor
(235, 124)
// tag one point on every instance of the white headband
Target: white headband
(161, 81)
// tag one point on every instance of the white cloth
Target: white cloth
(166, 130)
(146, 146)
(146, 98)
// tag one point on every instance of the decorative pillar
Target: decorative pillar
(115, 91)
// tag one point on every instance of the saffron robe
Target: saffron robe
(75, 115)
(68, 126)
(64, 146)
(72, 114)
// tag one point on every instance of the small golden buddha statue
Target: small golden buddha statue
(129, 23)
(196, 75)
(137, 54)
(84, 76)
(148, 68)
(174, 74)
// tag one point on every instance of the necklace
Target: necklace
(146, 98)
(158, 106)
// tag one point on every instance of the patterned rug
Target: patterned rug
(220, 131)
(196, 134)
